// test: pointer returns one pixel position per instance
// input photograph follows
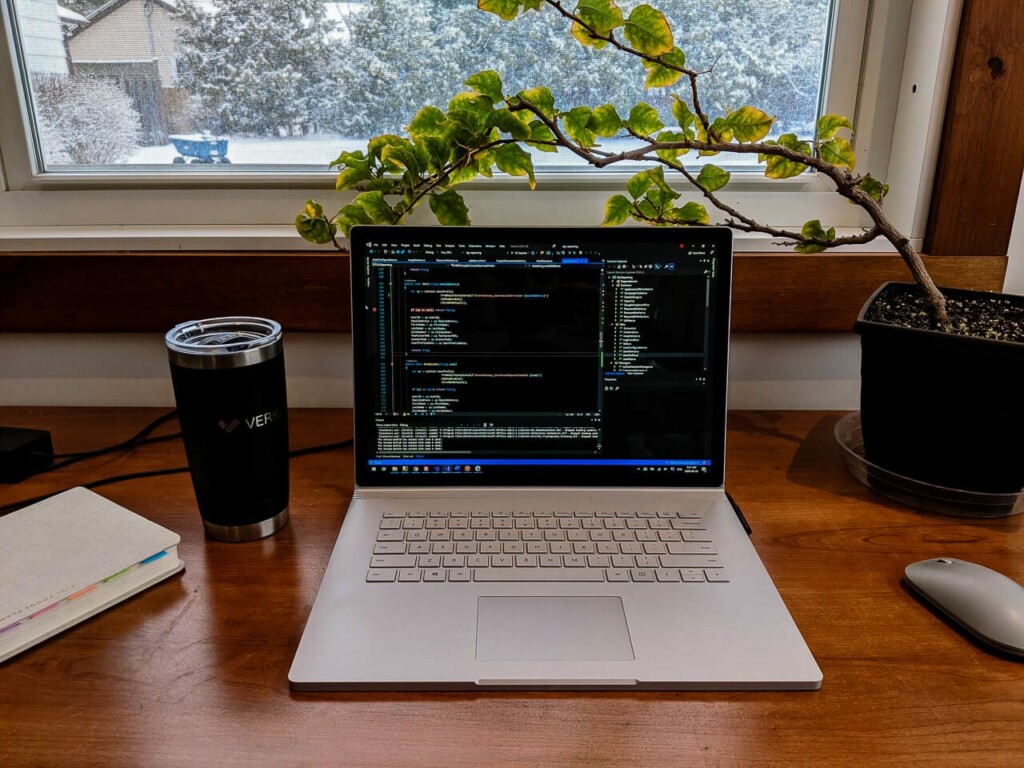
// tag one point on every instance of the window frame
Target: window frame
(44, 284)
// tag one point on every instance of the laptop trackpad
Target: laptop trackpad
(552, 629)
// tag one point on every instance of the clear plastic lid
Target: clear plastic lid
(223, 342)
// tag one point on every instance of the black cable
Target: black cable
(157, 472)
(139, 438)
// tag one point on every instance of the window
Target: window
(215, 195)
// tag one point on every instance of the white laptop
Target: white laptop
(540, 421)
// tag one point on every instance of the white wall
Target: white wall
(781, 371)
(802, 371)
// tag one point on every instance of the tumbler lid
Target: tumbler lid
(223, 342)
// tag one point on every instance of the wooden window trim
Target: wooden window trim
(970, 220)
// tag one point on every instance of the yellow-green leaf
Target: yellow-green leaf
(666, 73)
(576, 122)
(875, 189)
(712, 178)
(782, 168)
(349, 177)
(605, 121)
(648, 31)
(449, 208)
(313, 225)
(601, 15)
(376, 207)
(429, 121)
(644, 120)
(838, 152)
(582, 34)
(668, 137)
(829, 125)
(506, 9)
(510, 123)
(616, 210)
(541, 98)
(748, 124)
(515, 161)
(540, 132)
(348, 217)
(487, 83)
(682, 113)
(691, 213)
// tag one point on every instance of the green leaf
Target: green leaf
(401, 157)
(605, 121)
(670, 136)
(429, 121)
(691, 213)
(748, 124)
(661, 76)
(349, 216)
(487, 83)
(510, 123)
(782, 167)
(813, 229)
(875, 189)
(648, 31)
(449, 208)
(539, 131)
(467, 171)
(640, 183)
(349, 177)
(313, 225)
(437, 150)
(376, 207)
(515, 161)
(541, 98)
(702, 136)
(712, 178)
(576, 121)
(616, 210)
(376, 146)
(829, 125)
(681, 112)
(471, 110)
(838, 152)
(601, 15)
(644, 120)
(506, 9)
(350, 159)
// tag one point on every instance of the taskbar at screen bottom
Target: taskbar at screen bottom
(481, 466)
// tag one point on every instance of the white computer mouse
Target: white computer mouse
(986, 603)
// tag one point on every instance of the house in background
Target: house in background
(40, 23)
(135, 42)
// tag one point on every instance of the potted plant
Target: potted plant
(941, 370)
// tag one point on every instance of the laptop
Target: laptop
(539, 502)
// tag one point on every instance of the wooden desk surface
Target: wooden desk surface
(193, 671)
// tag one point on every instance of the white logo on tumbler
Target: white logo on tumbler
(262, 419)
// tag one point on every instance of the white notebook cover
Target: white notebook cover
(58, 557)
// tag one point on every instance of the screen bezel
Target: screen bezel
(593, 476)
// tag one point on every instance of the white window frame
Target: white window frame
(899, 123)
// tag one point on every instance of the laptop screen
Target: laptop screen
(540, 356)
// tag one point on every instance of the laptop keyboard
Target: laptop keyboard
(544, 546)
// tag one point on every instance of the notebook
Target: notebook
(540, 472)
(71, 556)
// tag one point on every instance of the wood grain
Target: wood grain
(193, 671)
(981, 156)
(114, 292)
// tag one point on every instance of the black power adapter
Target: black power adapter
(23, 452)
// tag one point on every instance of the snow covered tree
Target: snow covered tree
(256, 68)
(84, 120)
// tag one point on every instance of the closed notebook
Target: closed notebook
(68, 558)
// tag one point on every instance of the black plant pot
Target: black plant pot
(942, 408)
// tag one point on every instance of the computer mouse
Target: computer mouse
(984, 602)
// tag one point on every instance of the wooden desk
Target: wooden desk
(193, 671)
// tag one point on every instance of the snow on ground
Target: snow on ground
(319, 150)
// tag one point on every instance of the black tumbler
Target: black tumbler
(229, 385)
